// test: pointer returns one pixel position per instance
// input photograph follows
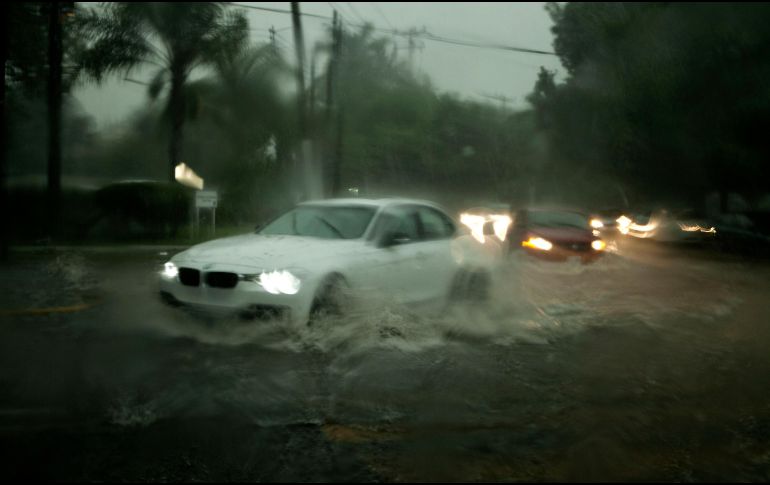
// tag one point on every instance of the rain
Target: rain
(385, 242)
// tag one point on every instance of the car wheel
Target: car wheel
(329, 300)
(472, 286)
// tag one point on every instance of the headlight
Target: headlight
(170, 270)
(537, 243)
(476, 224)
(623, 224)
(696, 228)
(598, 245)
(596, 224)
(500, 223)
(279, 282)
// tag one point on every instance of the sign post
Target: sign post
(206, 199)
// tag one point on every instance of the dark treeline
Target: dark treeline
(662, 102)
(671, 101)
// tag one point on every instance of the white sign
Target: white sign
(206, 199)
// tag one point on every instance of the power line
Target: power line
(425, 35)
(447, 40)
(382, 14)
(342, 13)
(353, 9)
(278, 10)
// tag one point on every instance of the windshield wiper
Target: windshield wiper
(330, 226)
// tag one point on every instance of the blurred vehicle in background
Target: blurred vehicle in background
(491, 220)
(555, 235)
(605, 222)
(661, 225)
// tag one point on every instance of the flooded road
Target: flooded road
(651, 364)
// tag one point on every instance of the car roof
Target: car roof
(375, 203)
(573, 210)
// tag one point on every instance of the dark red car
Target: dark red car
(555, 235)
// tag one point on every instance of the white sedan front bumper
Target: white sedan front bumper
(246, 296)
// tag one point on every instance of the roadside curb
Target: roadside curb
(100, 249)
(46, 311)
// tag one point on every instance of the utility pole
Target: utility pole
(333, 103)
(412, 44)
(311, 101)
(272, 36)
(5, 213)
(331, 71)
(309, 191)
(54, 116)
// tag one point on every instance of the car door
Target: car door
(393, 270)
(434, 252)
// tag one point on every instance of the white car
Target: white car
(299, 264)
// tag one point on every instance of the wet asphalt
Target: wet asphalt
(651, 364)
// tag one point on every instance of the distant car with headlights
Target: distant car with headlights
(555, 235)
(309, 260)
(662, 225)
(488, 221)
(605, 222)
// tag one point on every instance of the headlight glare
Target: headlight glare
(537, 243)
(170, 270)
(279, 282)
(596, 224)
(598, 245)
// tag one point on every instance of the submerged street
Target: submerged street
(649, 364)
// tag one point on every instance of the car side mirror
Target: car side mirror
(392, 238)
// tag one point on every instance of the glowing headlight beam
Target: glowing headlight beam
(279, 282)
(623, 224)
(476, 225)
(537, 243)
(599, 245)
(628, 227)
(170, 270)
(596, 224)
(696, 228)
(500, 225)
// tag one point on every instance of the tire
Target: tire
(471, 286)
(329, 300)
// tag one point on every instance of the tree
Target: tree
(666, 99)
(240, 117)
(175, 38)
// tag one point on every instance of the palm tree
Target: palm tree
(239, 113)
(174, 37)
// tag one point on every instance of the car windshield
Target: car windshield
(558, 219)
(347, 222)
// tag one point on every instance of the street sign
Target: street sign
(206, 199)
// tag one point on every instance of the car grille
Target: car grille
(217, 279)
(189, 276)
(581, 246)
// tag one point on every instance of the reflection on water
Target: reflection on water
(623, 369)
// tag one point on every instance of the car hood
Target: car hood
(266, 252)
(563, 234)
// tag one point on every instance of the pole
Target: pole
(331, 85)
(54, 117)
(5, 213)
(336, 100)
(305, 149)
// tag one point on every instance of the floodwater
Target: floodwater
(650, 364)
